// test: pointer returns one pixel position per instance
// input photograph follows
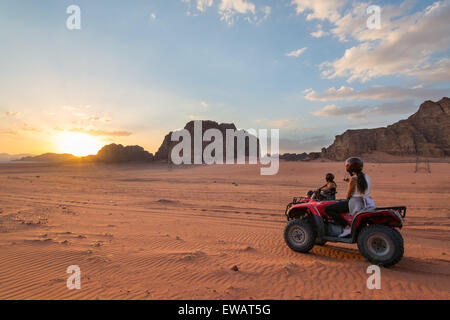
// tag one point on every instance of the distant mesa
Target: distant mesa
(314, 155)
(5, 157)
(165, 149)
(300, 156)
(112, 153)
(426, 133)
(117, 153)
(51, 157)
(295, 156)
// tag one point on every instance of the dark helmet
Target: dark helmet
(329, 177)
(354, 165)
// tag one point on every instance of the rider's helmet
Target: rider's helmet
(354, 165)
(329, 177)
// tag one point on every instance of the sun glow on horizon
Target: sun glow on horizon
(78, 144)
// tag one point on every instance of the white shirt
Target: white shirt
(360, 201)
(368, 190)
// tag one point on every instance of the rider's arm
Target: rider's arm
(351, 188)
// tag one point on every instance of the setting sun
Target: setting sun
(78, 144)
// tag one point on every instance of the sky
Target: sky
(136, 70)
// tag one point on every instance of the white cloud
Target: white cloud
(240, 6)
(296, 53)
(359, 112)
(313, 143)
(353, 23)
(401, 47)
(13, 114)
(319, 33)
(430, 8)
(266, 11)
(100, 132)
(283, 123)
(229, 8)
(203, 4)
(377, 93)
(200, 5)
(405, 44)
(439, 71)
(98, 118)
(324, 9)
(401, 107)
(333, 110)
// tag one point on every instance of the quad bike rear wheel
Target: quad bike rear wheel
(299, 235)
(381, 245)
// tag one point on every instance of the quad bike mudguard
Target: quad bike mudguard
(388, 216)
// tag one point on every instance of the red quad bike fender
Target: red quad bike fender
(389, 216)
(314, 211)
(296, 210)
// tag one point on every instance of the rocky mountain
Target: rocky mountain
(5, 157)
(295, 156)
(112, 153)
(51, 157)
(117, 153)
(426, 133)
(164, 150)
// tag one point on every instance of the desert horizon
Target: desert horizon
(423, 138)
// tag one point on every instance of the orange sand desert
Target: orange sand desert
(151, 232)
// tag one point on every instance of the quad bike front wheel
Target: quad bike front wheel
(381, 245)
(299, 235)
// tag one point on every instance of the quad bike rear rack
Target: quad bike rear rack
(399, 209)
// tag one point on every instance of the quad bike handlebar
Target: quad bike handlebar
(315, 195)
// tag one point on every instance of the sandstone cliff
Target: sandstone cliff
(50, 157)
(112, 153)
(117, 153)
(295, 156)
(164, 150)
(425, 133)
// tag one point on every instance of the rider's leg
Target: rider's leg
(334, 210)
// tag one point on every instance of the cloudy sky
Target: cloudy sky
(138, 69)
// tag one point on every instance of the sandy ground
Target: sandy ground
(147, 232)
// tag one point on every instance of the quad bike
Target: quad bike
(375, 229)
